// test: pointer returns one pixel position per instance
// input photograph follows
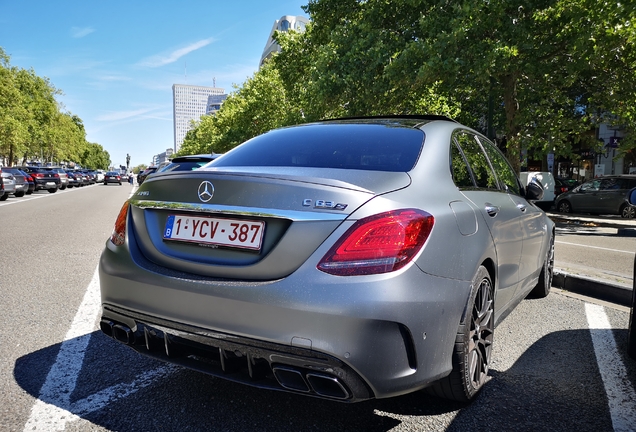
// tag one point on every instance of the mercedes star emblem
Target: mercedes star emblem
(206, 190)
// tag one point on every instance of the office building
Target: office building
(285, 23)
(214, 103)
(190, 102)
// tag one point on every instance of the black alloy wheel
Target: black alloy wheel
(564, 207)
(628, 211)
(473, 345)
(542, 289)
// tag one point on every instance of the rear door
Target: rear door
(499, 212)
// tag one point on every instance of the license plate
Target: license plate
(50, 183)
(215, 231)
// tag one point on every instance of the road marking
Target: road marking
(621, 396)
(34, 197)
(594, 247)
(54, 409)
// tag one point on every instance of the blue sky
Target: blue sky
(116, 61)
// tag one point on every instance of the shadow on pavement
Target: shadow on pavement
(554, 385)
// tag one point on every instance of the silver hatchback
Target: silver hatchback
(346, 259)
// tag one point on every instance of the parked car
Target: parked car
(547, 181)
(21, 183)
(45, 179)
(142, 175)
(345, 259)
(8, 185)
(63, 176)
(562, 185)
(92, 176)
(30, 182)
(187, 163)
(603, 195)
(72, 179)
(99, 175)
(83, 177)
(112, 177)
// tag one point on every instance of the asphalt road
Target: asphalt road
(602, 252)
(559, 363)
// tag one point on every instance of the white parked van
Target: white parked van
(547, 180)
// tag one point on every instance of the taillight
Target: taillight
(379, 244)
(119, 233)
(38, 175)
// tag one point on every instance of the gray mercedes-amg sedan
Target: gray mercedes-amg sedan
(345, 259)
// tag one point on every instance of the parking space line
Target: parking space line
(53, 408)
(594, 247)
(621, 396)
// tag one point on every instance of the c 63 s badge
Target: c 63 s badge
(322, 204)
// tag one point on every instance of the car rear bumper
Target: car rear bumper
(45, 185)
(347, 339)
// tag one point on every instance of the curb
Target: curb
(592, 288)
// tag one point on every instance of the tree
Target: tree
(33, 124)
(95, 157)
(14, 116)
(541, 65)
(257, 107)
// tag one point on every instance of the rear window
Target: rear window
(184, 166)
(374, 147)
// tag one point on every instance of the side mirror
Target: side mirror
(534, 190)
(631, 196)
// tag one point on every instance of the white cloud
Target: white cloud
(124, 115)
(113, 77)
(80, 32)
(164, 59)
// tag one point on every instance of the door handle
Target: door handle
(492, 210)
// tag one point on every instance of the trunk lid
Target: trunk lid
(273, 218)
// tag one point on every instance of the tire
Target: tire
(4, 197)
(52, 190)
(542, 289)
(473, 344)
(564, 207)
(628, 212)
(19, 194)
(62, 187)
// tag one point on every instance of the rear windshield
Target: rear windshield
(376, 147)
(184, 166)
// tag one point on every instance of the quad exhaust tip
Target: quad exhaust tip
(322, 385)
(119, 332)
(297, 380)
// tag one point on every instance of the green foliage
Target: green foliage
(257, 107)
(547, 68)
(95, 157)
(33, 125)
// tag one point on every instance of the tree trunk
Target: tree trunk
(511, 106)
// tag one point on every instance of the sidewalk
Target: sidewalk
(589, 281)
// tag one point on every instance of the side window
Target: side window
(610, 183)
(461, 173)
(591, 185)
(500, 164)
(482, 172)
